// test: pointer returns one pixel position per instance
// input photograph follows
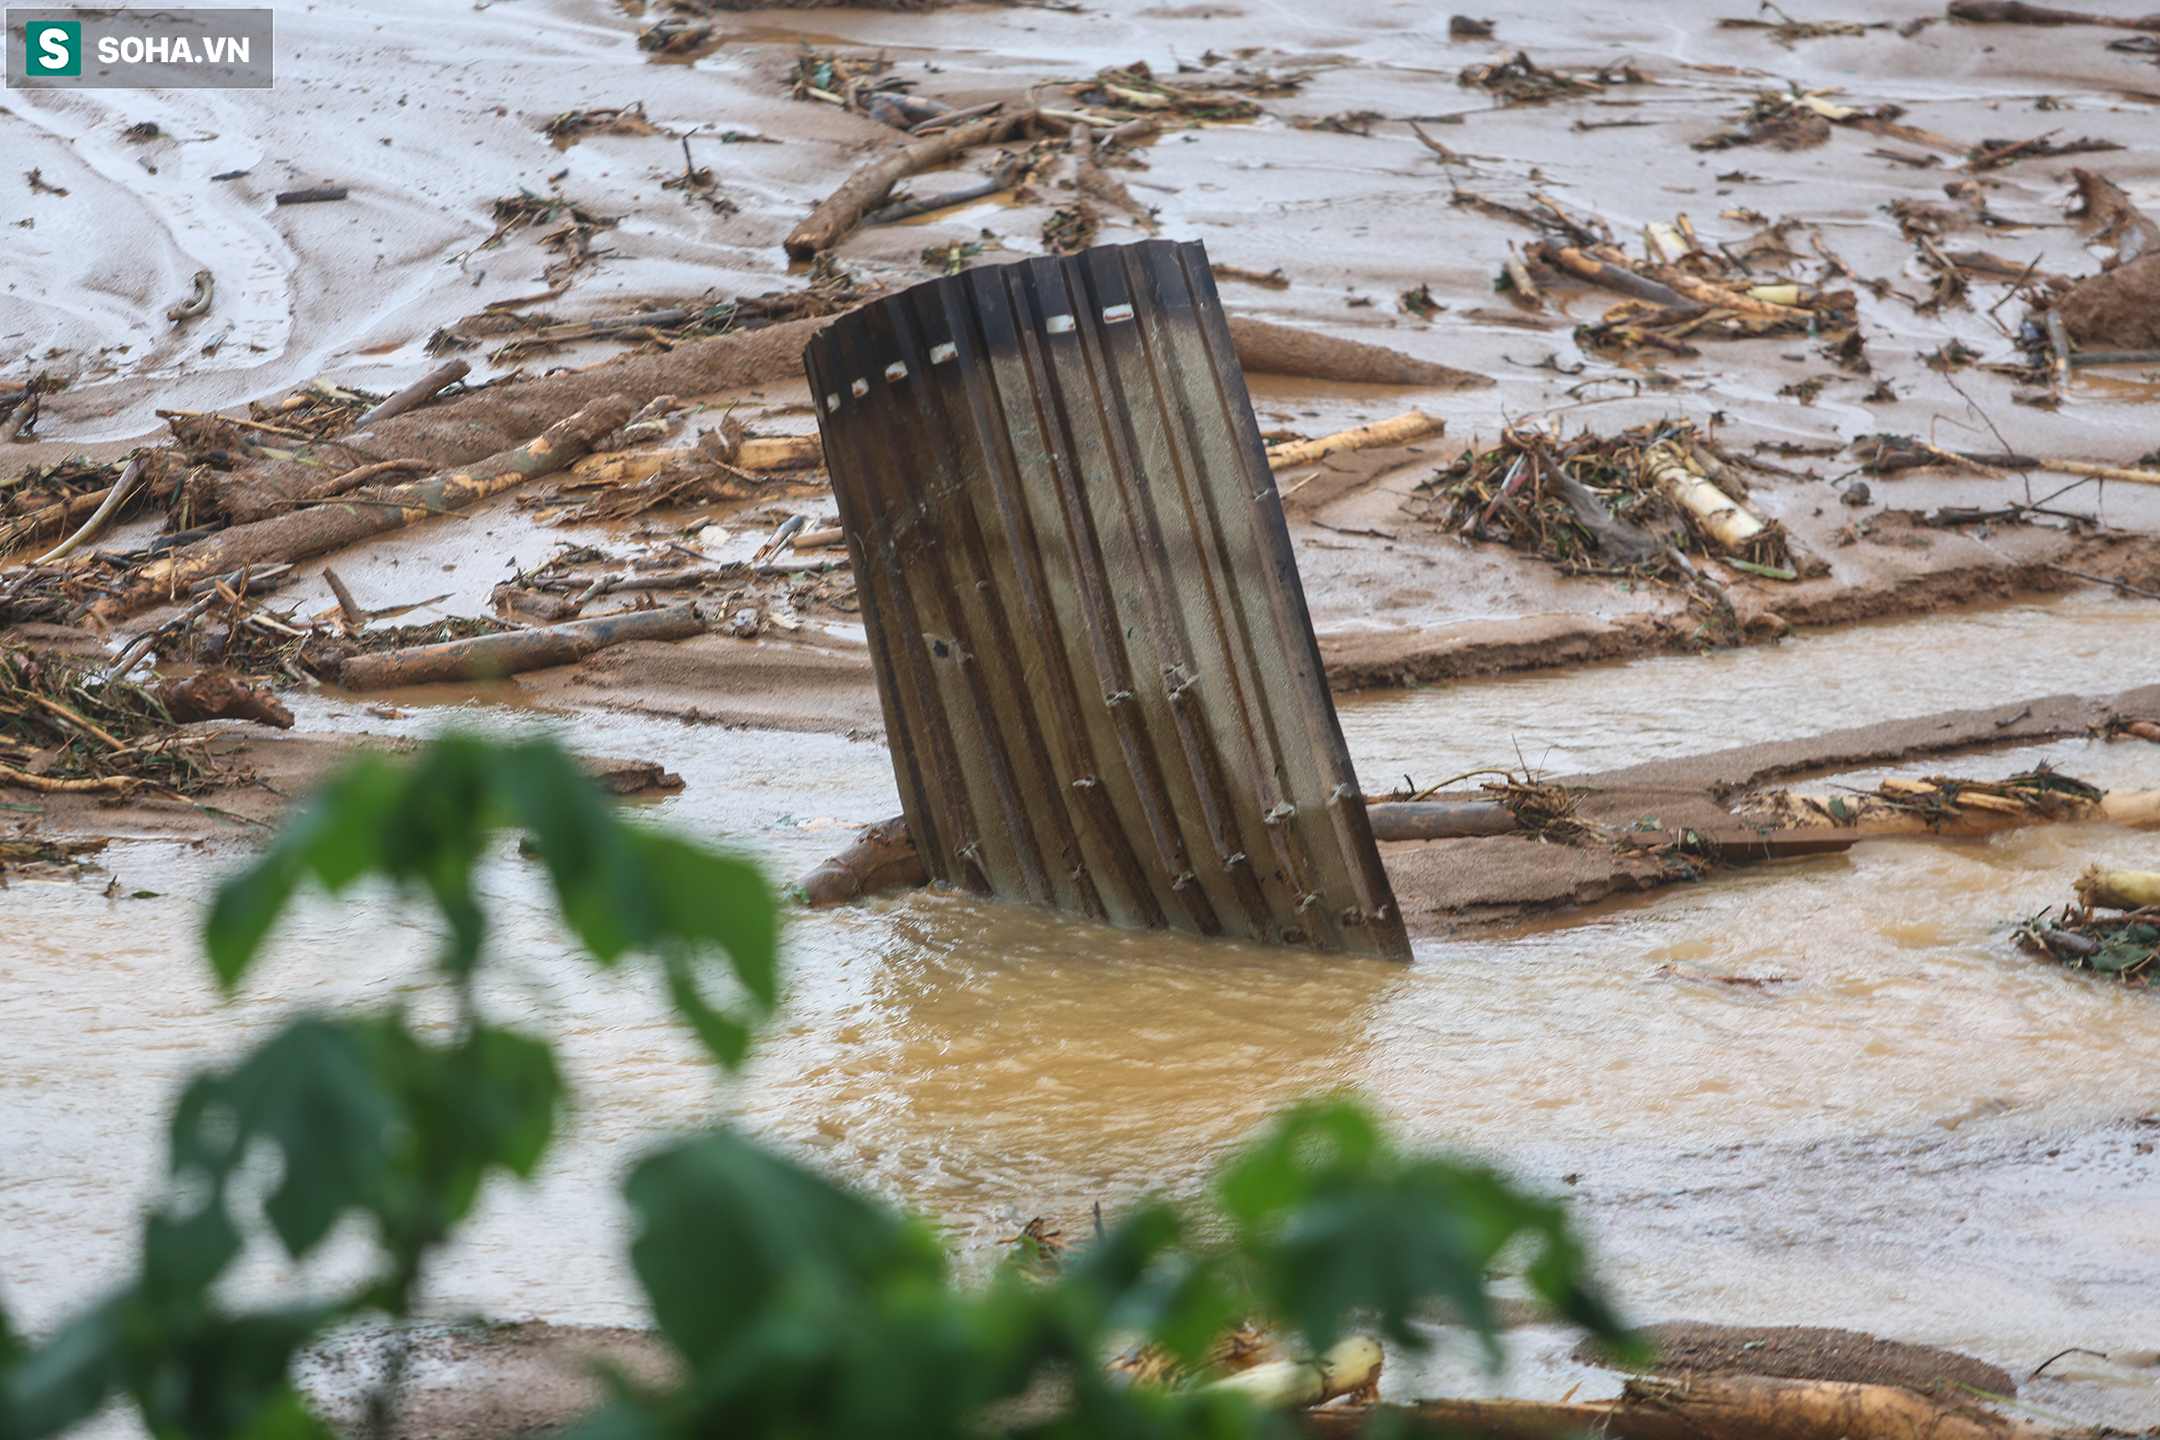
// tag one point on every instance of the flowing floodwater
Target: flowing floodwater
(986, 1063)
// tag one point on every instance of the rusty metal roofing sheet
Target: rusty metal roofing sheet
(1100, 682)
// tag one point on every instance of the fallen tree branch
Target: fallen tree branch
(339, 523)
(867, 188)
(118, 784)
(1402, 430)
(486, 657)
(418, 393)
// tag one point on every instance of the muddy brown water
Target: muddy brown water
(1754, 1152)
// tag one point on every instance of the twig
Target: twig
(2102, 580)
(355, 618)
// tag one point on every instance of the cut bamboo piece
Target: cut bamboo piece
(1403, 429)
(2118, 889)
(1350, 1366)
(1720, 516)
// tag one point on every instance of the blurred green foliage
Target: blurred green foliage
(800, 1309)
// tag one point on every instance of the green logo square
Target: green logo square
(52, 47)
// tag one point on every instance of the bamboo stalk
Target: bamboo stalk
(1721, 516)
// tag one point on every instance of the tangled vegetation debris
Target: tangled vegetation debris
(1601, 505)
(2125, 946)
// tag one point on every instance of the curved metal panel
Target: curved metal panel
(1100, 682)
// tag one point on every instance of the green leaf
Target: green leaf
(734, 1242)
(1333, 1221)
(317, 1091)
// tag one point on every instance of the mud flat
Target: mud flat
(1823, 1092)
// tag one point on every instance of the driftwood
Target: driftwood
(1438, 819)
(2013, 12)
(1265, 349)
(341, 522)
(867, 188)
(1583, 266)
(45, 784)
(473, 426)
(1733, 1407)
(418, 393)
(1402, 430)
(486, 657)
(884, 858)
(217, 694)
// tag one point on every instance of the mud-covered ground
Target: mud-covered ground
(429, 117)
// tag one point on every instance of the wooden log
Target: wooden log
(1402, 430)
(1438, 819)
(1724, 1407)
(2015, 12)
(885, 858)
(218, 694)
(1617, 278)
(337, 523)
(418, 393)
(1268, 349)
(485, 657)
(867, 188)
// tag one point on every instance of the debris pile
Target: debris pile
(1634, 504)
(2126, 946)
(66, 728)
(1943, 804)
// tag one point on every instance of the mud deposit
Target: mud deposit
(1826, 1092)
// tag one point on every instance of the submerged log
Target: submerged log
(884, 859)
(1732, 1407)
(487, 657)
(338, 523)
(218, 694)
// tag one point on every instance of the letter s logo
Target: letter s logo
(54, 44)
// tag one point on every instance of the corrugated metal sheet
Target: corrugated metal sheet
(1100, 682)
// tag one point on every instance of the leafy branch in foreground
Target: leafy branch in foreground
(799, 1308)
